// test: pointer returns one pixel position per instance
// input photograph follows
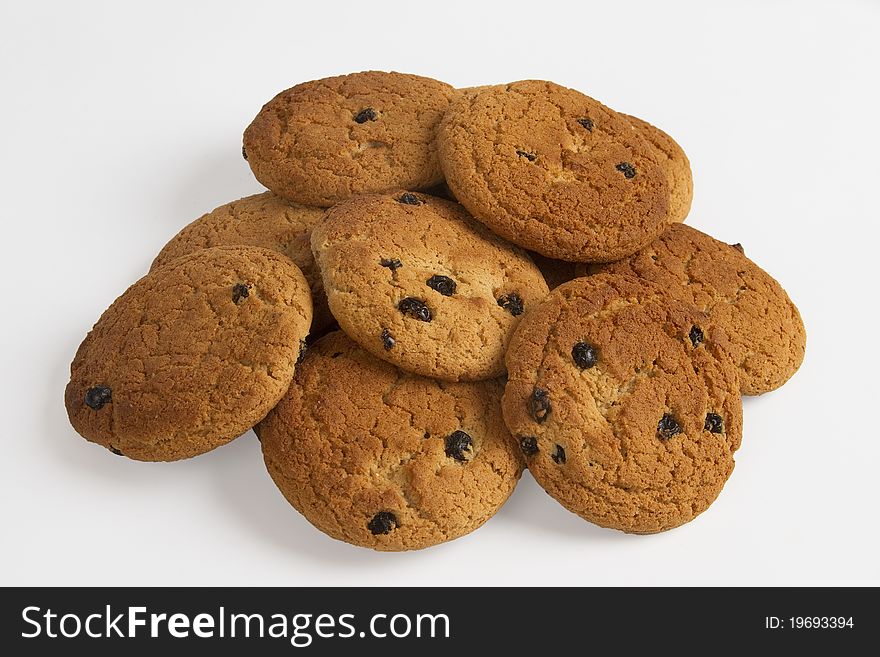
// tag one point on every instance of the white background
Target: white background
(121, 124)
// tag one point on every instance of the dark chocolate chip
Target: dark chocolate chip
(714, 423)
(382, 523)
(668, 427)
(366, 114)
(529, 445)
(512, 303)
(243, 152)
(415, 308)
(443, 284)
(531, 157)
(585, 355)
(391, 263)
(96, 397)
(627, 169)
(302, 351)
(115, 451)
(240, 291)
(587, 123)
(739, 247)
(409, 199)
(387, 341)
(559, 455)
(696, 335)
(457, 444)
(539, 405)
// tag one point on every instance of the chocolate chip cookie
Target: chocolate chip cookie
(387, 460)
(417, 282)
(264, 220)
(674, 162)
(192, 355)
(767, 335)
(324, 141)
(624, 402)
(553, 171)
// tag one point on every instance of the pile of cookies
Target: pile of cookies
(383, 316)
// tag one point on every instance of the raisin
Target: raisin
(336, 354)
(244, 152)
(512, 303)
(366, 114)
(531, 157)
(539, 405)
(115, 451)
(387, 341)
(98, 396)
(443, 284)
(529, 445)
(392, 263)
(587, 123)
(409, 199)
(627, 169)
(415, 308)
(714, 423)
(739, 247)
(240, 291)
(427, 435)
(584, 355)
(696, 335)
(457, 444)
(559, 455)
(302, 351)
(382, 523)
(668, 427)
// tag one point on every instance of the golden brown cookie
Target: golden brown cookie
(324, 141)
(553, 171)
(192, 355)
(674, 162)
(767, 335)
(624, 402)
(417, 282)
(387, 460)
(264, 220)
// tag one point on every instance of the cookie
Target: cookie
(555, 272)
(192, 355)
(324, 141)
(553, 171)
(765, 329)
(417, 282)
(675, 164)
(624, 402)
(387, 460)
(264, 220)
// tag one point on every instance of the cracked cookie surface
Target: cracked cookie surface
(324, 141)
(263, 220)
(553, 170)
(624, 402)
(674, 162)
(388, 460)
(765, 329)
(419, 283)
(192, 355)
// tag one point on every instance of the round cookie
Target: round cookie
(624, 402)
(417, 282)
(674, 162)
(192, 355)
(324, 141)
(766, 333)
(387, 460)
(553, 171)
(264, 220)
